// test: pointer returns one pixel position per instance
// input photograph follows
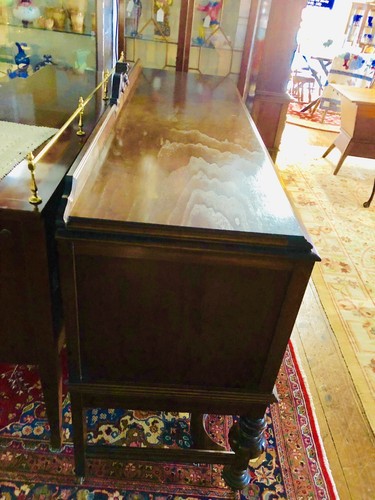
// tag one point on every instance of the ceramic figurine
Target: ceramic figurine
(47, 60)
(212, 10)
(211, 20)
(22, 60)
(161, 11)
(133, 14)
(26, 12)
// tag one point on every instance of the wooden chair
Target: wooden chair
(302, 84)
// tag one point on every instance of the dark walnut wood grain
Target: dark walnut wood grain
(183, 267)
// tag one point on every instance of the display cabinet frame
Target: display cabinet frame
(188, 49)
(360, 28)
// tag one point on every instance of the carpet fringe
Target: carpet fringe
(313, 421)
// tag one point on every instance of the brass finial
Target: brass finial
(80, 130)
(34, 198)
(105, 85)
(122, 56)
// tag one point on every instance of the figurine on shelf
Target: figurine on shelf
(212, 9)
(47, 60)
(211, 20)
(161, 11)
(133, 14)
(22, 61)
(26, 12)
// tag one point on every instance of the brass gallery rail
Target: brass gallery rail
(32, 161)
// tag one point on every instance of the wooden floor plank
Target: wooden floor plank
(346, 434)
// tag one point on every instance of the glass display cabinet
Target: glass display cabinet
(360, 29)
(198, 36)
(218, 37)
(76, 34)
(52, 55)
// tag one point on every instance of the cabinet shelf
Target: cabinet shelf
(149, 38)
(211, 47)
(80, 40)
(360, 29)
(54, 30)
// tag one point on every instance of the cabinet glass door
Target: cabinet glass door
(77, 34)
(218, 36)
(199, 35)
(151, 32)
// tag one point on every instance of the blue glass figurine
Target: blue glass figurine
(47, 59)
(22, 60)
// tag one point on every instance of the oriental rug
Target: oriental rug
(343, 231)
(319, 120)
(292, 467)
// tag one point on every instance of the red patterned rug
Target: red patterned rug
(313, 119)
(292, 467)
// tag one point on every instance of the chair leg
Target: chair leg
(79, 434)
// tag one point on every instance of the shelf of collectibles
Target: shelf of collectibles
(201, 36)
(218, 37)
(75, 34)
(360, 29)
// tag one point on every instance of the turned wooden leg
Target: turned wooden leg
(247, 441)
(328, 150)
(368, 202)
(51, 379)
(79, 434)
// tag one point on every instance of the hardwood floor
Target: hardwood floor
(346, 434)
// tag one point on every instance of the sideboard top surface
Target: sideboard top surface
(356, 94)
(184, 154)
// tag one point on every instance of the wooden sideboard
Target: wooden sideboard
(183, 267)
(30, 303)
(356, 137)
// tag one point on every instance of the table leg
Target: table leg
(247, 440)
(368, 202)
(340, 162)
(199, 435)
(79, 434)
(326, 153)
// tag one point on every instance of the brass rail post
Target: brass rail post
(81, 107)
(34, 198)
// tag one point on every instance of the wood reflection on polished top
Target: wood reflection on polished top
(184, 153)
(46, 98)
(182, 267)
